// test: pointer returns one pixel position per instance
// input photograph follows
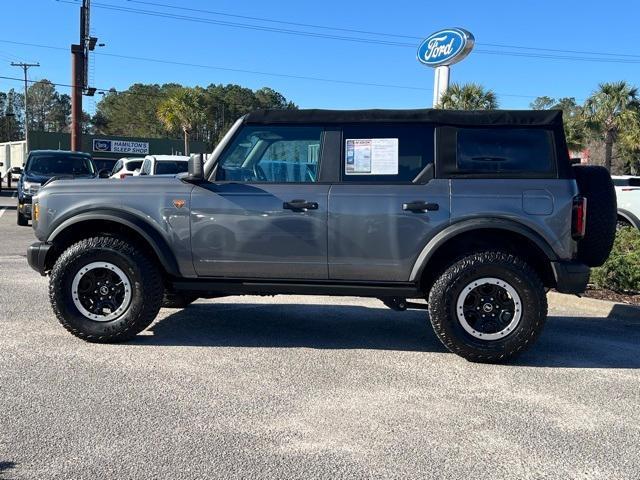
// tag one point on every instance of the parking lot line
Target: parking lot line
(3, 209)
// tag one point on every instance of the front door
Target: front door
(264, 215)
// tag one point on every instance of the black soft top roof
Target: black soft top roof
(426, 115)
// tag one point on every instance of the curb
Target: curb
(602, 308)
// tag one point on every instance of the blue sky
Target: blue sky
(583, 25)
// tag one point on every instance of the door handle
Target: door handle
(300, 205)
(420, 206)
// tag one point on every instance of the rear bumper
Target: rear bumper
(37, 256)
(571, 277)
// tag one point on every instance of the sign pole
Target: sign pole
(440, 83)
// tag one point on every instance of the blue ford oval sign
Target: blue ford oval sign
(445, 47)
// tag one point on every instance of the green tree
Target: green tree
(611, 111)
(183, 109)
(41, 98)
(574, 124)
(470, 96)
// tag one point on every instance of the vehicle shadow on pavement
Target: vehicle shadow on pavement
(586, 342)
(569, 342)
(308, 326)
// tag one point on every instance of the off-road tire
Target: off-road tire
(22, 220)
(177, 300)
(146, 289)
(506, 267)
(594, 182)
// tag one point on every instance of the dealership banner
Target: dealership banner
(120, 146)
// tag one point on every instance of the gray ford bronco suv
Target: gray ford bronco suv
(478, 213)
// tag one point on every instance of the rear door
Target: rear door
(265, 214)
(387, 205)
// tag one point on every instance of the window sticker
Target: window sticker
(371, 156)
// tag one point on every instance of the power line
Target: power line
(253, 72)
(632, 59)
(160, 95)
(367, 32)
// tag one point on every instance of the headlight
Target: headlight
(31, 187)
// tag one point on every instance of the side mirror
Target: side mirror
(16, 171)
(196, 168)
(575, 161)
(104, 173)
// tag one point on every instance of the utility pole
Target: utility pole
(79, 69)
(25, 67)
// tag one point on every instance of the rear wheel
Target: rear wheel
(488, 306)
(104, 289)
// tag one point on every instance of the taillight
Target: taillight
(579, 217)
(124, 175)
(629, 189)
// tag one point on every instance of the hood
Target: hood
(31, 177)
(151, 183)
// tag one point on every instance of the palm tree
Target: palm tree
(609, 111)
(470, 96)
(183, 110)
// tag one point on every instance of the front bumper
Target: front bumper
(571, 277)
(37, 256)
(25, 206)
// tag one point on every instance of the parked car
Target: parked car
(164, 165)
(628, 194)
(478, 213)
(126, 167)
(40, 167)
(104, 164)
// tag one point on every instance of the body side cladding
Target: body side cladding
(456, 229)
(143, 228)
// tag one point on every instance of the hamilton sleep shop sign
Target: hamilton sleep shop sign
(120, 146)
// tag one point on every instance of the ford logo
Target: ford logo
(445, 47)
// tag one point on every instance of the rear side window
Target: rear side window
(135, 165)
(394, 153)
(627, 182)
(504, 150)
(166, 167)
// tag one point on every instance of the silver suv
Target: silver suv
(476, 212)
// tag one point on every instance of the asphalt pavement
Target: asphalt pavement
(305, 387)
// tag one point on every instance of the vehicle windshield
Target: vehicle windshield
(133, 165)
(60, 165)
(165, 167)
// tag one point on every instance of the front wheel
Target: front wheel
(22, 220)
(488, 307)
(104, 289)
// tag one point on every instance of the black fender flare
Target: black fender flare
(145, 229)
(462, 226)
(629, 217)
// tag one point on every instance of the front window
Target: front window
(272, 154)
(52, 164)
